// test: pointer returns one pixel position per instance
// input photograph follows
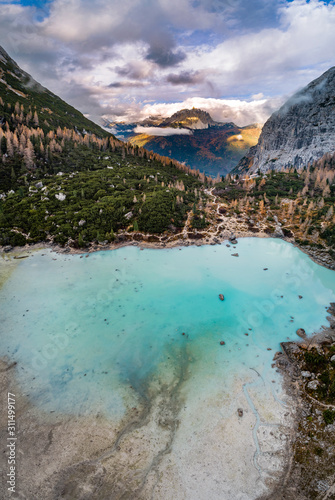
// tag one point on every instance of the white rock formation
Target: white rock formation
(301, 131)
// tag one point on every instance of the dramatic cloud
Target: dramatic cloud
(137, 70)
(303, 41)
(185, 77)
(161, 132)
(165, 58)
(125, 84)
(223, 110)
(124, 60)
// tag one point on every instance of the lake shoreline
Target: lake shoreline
(317, 255)
(67, 455)
(52, 432)
(308, 472)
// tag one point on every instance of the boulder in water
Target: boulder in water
(301, 333)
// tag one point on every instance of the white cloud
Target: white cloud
(223, 110)
(258, 96)
(161, 132)
(95, 53)
(77, 21)
(272, 58)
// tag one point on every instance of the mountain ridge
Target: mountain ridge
(300, 132)
(19, 86)
(212, 147)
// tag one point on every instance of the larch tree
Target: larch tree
(29, 155)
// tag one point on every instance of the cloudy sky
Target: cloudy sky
(128, 59)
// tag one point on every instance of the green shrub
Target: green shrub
(17, 239)
(60, 239)
(314, 360)
(329, 416)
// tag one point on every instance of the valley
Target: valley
(211, 147)
(71, 187)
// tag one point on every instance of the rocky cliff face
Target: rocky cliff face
(301, 131)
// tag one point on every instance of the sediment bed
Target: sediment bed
(173, 442)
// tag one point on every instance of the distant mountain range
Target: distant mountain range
(199, 141)
(65, 180)
(300, 132)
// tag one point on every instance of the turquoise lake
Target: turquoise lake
(131, 339)
(83, 329)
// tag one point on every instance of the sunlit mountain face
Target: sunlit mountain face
(191, 136)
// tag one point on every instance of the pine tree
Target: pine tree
(81, 241)
(261, 207)
(330, 213)
(326, 191)
(3, 145)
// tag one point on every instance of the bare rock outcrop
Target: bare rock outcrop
(301, 131)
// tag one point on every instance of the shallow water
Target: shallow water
(104, 333)
(90, 327)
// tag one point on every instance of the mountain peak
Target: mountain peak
(301, 131)
(317, 91)
(190, 118)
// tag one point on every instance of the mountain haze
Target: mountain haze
(210, 146)
(17, 86)
(300, 132)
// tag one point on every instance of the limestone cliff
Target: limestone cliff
(301, 131)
